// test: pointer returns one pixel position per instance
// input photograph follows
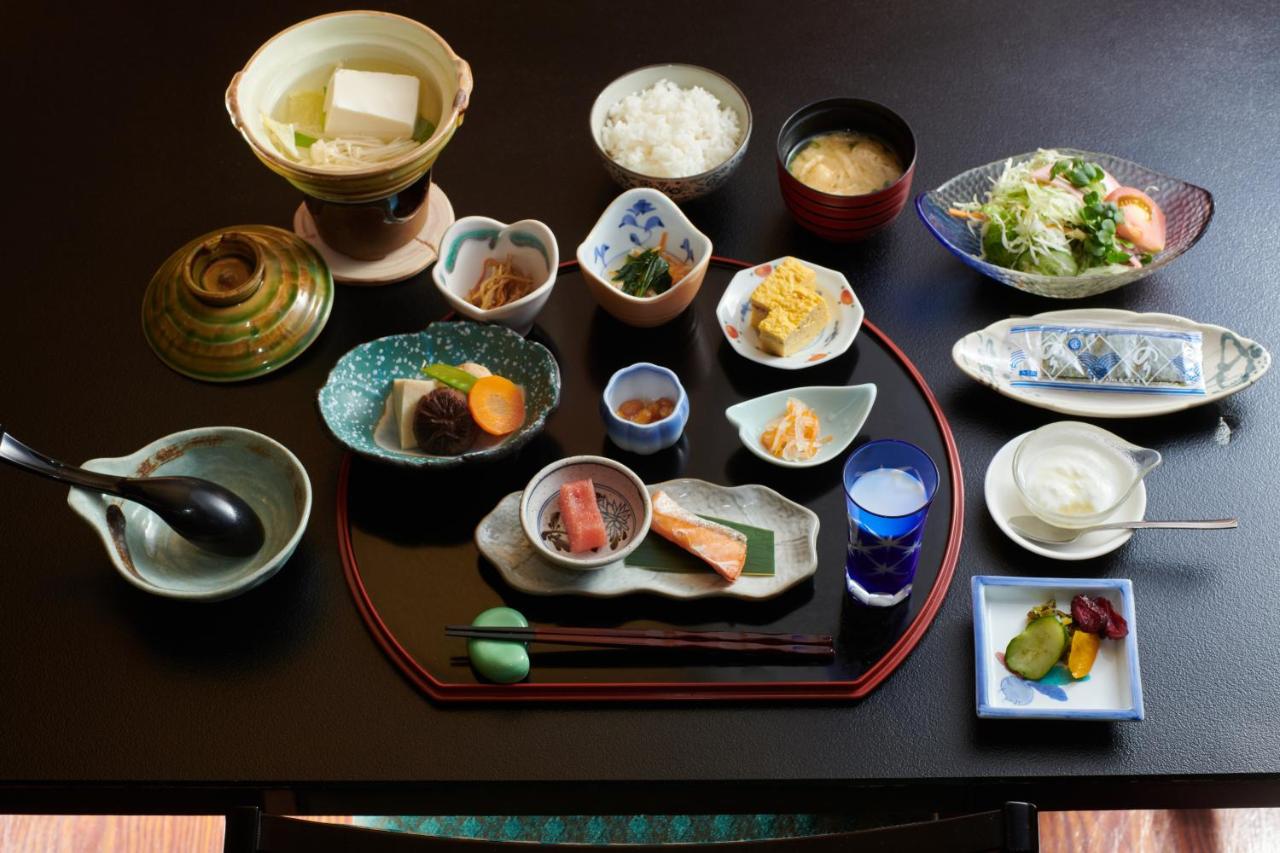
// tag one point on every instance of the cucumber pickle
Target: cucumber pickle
(1033, 653)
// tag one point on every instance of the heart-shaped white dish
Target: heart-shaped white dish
(470, 241)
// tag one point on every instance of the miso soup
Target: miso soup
(845, 162)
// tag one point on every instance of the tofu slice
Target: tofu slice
(405, 394)
(370, 103)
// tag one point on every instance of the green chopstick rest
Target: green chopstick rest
(503, 661)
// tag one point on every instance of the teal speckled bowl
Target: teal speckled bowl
(352, 400)
(146, 551)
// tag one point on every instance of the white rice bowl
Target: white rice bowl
(665, 131)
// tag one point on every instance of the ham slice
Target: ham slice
(581, 514)
(723, 548)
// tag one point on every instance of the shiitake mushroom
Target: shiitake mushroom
(442, 423)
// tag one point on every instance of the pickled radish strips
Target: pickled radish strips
(794, 436)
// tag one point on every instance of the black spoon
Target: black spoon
(207, 515)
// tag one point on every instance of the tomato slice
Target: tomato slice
(1143, 224)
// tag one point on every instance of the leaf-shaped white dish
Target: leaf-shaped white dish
(841, 411)
(1231, 363)
(503, 543)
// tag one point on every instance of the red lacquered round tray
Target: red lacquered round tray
(412, 566)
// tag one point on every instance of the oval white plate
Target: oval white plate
(795, 540)
(734, 314)
(841, 410)
(1004, 502)
(1231, 363)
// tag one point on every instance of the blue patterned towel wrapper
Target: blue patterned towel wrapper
(1106, 358)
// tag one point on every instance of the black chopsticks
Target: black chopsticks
(755, 642)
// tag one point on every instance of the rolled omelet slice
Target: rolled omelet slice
(787, 311)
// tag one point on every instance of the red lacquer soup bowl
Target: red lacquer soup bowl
(845, 217)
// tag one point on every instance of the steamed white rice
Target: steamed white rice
(668, 132)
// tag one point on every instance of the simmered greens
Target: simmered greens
(644, 273)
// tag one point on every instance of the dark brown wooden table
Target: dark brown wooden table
(119, 150)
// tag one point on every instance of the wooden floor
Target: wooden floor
(1193, 831)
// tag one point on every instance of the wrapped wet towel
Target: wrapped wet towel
(1107, 358)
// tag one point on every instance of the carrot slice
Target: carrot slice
(497, 404)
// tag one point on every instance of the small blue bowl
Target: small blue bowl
(644, 381)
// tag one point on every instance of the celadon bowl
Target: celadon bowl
(302, 57)
(471, 241)
(352, 401)
(639, 219)
(146, 551)
(841, 410)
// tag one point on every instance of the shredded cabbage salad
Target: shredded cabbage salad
(1046, 215)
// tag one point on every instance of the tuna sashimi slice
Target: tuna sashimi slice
(581, 516)
(723, 548)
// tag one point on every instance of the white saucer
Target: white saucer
(405, 262)
(1004, 502)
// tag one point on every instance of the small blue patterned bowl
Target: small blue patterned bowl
(644, 381)
(353, 399)
(1187, 208)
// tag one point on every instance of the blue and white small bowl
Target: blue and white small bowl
(643, 219)
(472, 240)
(644, 381)
(621, 495)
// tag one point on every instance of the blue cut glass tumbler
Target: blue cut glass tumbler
(888, 487)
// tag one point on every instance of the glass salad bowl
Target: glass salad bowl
(1187, 207)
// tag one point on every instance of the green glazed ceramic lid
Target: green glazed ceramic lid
(237, 303)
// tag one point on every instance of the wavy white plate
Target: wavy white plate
(734, 315)
(1231, 363)
(503, 543)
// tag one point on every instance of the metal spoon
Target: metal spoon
(205, 514)
(1041, 531)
